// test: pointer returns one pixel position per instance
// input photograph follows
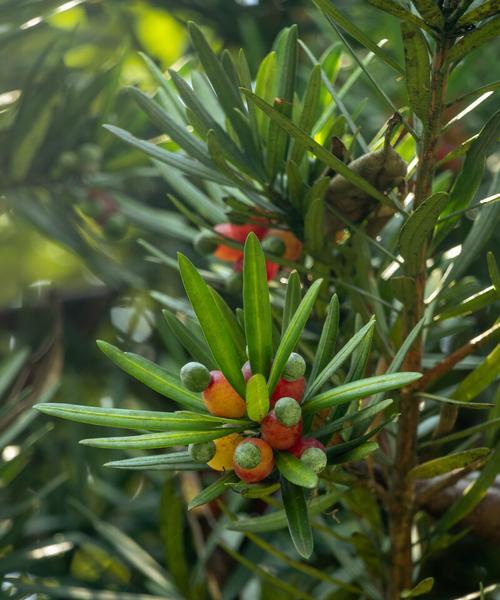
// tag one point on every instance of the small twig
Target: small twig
(432, 375)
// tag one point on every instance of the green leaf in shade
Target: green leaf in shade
(463, 433)
(445, 464)
(422, 587)
(309, 113)
(471, 304)
(347, 24)
(297, 517)
(493, 271)
(232, 325)
(418, 76)
(292, 299)
(254, 490)
(153, 376)
(400, 355)
(314, 224)
(292, 334)
(276, 520)
(393, 8)
(192, 145)
(318, 150)
(214, 490)
(474, 39)
(472, 495)
(486, 9)
(196, 347)
(265, 87)
(469, 179)
(356, 454)
(356, 390)
(337, 453)
(257, 397)
(338, 360)
(327, 340)
(160, 440)
(246, 81)
(213, 323)
(481, 377)
(295, 471)
(417, 229)
(174, 461)
(257, 307)
(135, 419)
(472, 405)
(430, 12)
(360, 416)
(10, 368)
(185, 164)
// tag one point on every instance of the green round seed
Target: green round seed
(288, 411)
(295, 367)
(247, 455)
(205, 242)
(202, 452)
(274, 245)
(195, 376)
(315, 459)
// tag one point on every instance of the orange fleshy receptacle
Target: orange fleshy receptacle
(221, 399)
(224, 451)
(293, 246)
(253, 460)
(239, 234)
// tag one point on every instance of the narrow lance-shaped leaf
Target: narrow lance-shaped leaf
(337, 361)
(318, 150)
(430, 12)
(292, 299)
(308, 116)
(257, 307)
(417, 69)
(257, 397)
(359, 389)
(295, 471)
(328, 338)
(277, 519)
(159, 440)
(213, 323)
(175, 461)
(445, 464)
(473, 495)
(417, 229)
(297, 517)
(196, 346)
(329, 9)
(292, 334)
(213, 491)
(134, 419)
(152, 375)
(474, 39)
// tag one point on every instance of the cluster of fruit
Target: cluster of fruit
(252, 457)
(276, 242)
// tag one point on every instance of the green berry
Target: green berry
(205, 242)
(274, 245)
(247, 455)
(288, 411)
(315, 459)
(67, 161)
(202, 452)
(195, 376)
(295, 367)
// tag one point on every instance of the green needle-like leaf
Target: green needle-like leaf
(214, 490)
(257, 307)
(445, 464)
(295, 471)
(418, 76)
(297, 517)
(153, 376)
(174, 461)
(359, 389)
(292, 334)
(213, 323)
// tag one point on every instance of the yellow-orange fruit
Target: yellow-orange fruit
(292, 243)
(224, 450)
(221, 399)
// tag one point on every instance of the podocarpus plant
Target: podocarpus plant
(284, 153)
